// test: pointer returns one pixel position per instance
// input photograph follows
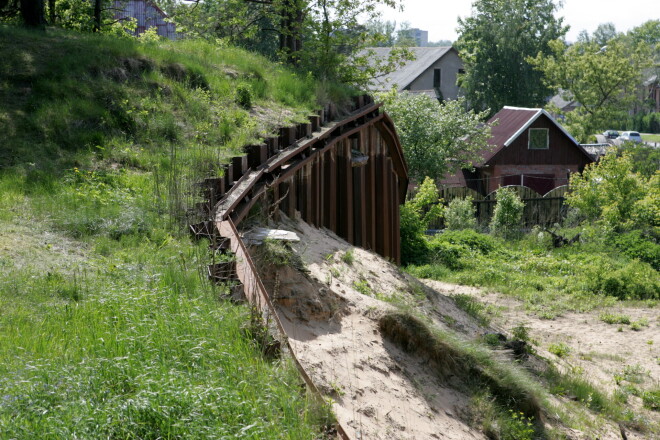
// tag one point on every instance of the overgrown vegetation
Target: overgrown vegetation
(617, 257)
(110, 328)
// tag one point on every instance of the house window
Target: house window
(436, 78)
(538, 139)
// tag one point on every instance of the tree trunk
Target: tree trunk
(51, 12)
(97, 15)
(32, 12)
(291, 30)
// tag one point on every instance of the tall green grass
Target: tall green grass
(109, 328)
(136, 345)
(550, 281)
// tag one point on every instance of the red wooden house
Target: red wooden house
(531, 149)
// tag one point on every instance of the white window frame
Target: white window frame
(547, 139)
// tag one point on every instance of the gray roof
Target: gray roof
(651, 80)
(563, 99)
(403, 76)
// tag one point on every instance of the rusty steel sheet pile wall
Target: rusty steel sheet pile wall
(316, 177)
(348, 176)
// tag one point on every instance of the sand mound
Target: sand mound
(331, 313)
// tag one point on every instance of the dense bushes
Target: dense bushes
(636, 244)
(609, 193)
(416, 215)
(633, 280)
(470, 239)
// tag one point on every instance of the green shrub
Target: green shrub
(348, 257)
(414, 247)
(634, 280)
(416, 215)
(460, 214)
(473, 240)
(636, 244)
(517, 427)
(244, 96)
(447, 254)
(560, 349)
(651, 399)
(508, 212)
(614, 318)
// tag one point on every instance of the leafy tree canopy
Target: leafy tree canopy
(603, 79)
(494, 44)
(437, 138)
(319, 36)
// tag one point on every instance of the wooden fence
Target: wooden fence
(539, 210)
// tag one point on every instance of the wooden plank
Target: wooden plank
(314, 193)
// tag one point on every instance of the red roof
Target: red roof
(512, 122)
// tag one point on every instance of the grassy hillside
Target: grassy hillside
(108, 329)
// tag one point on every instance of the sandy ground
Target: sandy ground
(379, 392)
(598, 350)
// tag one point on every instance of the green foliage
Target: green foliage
(348, 257)
(611, 193)
(614, 318)
(651, 399)
(560, 349)
(507, 214)
(604, 82)
(494, 43)
(132, 342)
(645, 159)
(633, 280)
(637, 244)
(460, 214)
(415, 215)
(244, 96)
(168, 109)
(521, 332)
(437, 138)
(583, 391)
(278, 254)
(472, 307)
(517, 427)
(447, 254)
(474, 241)
(549, 281)
(324, 38)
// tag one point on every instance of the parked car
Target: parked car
(611, 134)
(631, 136)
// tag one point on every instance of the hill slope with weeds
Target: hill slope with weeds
(108, 328)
